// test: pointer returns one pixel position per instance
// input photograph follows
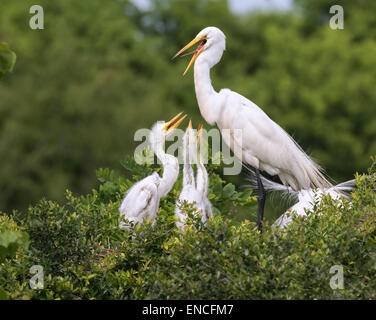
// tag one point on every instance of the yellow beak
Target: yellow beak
(171, 125)
(199, 131)
(196, 53)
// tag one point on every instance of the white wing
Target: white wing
(267, 146)
(307, 199)
(140, 202)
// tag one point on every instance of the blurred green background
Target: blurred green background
(101, 69)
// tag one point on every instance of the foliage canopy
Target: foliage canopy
(86, 256)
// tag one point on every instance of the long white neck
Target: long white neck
(170, 171)
(188, 175)
(201, 176)
(207, 98)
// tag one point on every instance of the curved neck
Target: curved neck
(202, 176)
(188, 175)
(207, 97)
(170, 171)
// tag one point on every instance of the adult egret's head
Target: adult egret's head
(162, 129)
(212, 43)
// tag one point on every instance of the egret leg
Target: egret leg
(260, 200)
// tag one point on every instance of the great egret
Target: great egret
(306, 199)
(142, 200)
(194, 191)
(264, 144)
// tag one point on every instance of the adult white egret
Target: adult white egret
(194, 191)
(142, 200)
(264, 144)
(306, 199)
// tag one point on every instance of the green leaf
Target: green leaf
(211, 196)
(3, 294)
(7, 59)
(217, 188)
(10, 241)
(243, 196)
(215, 211)
(228, 190)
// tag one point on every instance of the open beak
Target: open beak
(199, 131)
(174, 122)
(195, 53)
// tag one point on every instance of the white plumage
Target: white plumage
(264, 144)
(306, 199)
(141, 202)
(202, 179)
(194, 191)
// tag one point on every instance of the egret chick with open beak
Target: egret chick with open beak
(141, 202)
(194, 190)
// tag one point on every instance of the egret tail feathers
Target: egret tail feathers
(270, 186)
(308, 174)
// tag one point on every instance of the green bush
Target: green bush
(86, 256)
(7, 59)
(14, 241)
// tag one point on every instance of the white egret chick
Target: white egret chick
(202, 178)
(194, 191)
(141, 202)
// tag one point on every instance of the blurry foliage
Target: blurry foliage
(86, 256)
(11, 237)
(97, 73)
(360, 19)
(7, 59)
